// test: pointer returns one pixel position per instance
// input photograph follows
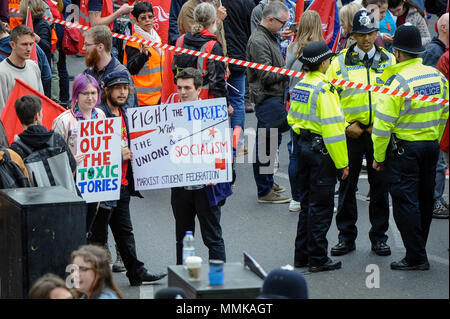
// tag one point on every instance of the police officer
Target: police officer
(414, 128)
(363, 62)
(319, 131)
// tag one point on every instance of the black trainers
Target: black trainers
(329, 265)
(144, 276)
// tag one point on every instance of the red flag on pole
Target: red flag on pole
(169, 89)
(50, 110)
(300, 7)
(29, 23)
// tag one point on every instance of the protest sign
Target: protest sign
(99, 174)
(180, 144)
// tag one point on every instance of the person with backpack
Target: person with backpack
(202, 38)
(13, 173)
(144, 62)
(36, 137)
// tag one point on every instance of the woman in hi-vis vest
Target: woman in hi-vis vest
(144, 62)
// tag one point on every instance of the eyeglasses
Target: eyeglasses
(281, 21)
(89, 44)
(149, 17)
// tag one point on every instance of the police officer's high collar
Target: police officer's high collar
(352, 57)
(361, 53)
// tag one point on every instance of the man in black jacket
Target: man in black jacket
(35, 136)
(116, 89)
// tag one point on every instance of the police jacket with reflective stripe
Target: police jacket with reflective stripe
(359, 105)
(146, 71)
(315, 107)
(410, 120)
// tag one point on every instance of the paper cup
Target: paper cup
(194, 267)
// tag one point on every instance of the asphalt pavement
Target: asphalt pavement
(267, 232)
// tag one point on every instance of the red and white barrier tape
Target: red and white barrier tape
(262, 67)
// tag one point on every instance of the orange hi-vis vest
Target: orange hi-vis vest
(202, 65)
(148, 82)
(107, 9)
(14, 18)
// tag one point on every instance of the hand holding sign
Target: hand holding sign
(99, 162)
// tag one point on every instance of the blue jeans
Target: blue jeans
(293, 168)
(237, 99)
(263, 178)
(440, 180)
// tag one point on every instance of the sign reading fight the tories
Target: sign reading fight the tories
(99, 174)
(181, 144)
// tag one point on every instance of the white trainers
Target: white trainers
(294, 206)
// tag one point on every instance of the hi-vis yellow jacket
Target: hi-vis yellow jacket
(359, 105)
(410, 120)
(315, 107)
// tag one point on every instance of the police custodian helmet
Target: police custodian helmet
(407, 38)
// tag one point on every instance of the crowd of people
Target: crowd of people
(332, 129)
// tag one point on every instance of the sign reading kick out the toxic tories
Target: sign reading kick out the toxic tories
(180, 144)
(99, 174)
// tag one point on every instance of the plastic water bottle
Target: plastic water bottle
(188, 246)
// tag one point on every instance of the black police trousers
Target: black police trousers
(186, 204)
(317, 177)
(347, 213)
(411, 185)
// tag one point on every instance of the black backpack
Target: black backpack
(11, 175)
(124, 26)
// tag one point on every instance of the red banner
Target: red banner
(50, 110)
(161, 22)
(29, 23)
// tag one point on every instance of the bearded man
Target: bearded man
(100, 62)
(116, 214)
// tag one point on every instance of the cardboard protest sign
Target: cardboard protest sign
(99, 174)
(180, 144)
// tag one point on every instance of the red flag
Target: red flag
(50, 110)
(161, 8)
(328, 11)
(29, 23)
(300, 7)
(169, 89)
